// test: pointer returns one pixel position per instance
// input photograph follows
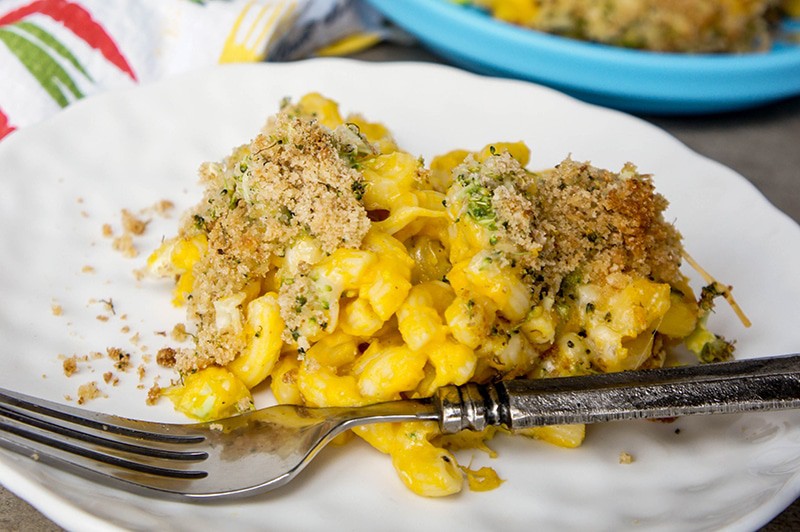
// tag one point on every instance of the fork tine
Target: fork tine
(40, 444)
(89, 437)
(102, 446)
(153, 432)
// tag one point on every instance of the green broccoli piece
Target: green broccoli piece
(709, 347)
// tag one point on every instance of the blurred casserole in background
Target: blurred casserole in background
(692, 26)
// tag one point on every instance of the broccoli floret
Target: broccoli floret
(717, 350)
(708, 346)
(479, 205)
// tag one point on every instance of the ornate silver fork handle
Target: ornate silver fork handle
(265, 449)
(741, 386)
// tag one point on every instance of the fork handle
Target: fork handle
(721, 388)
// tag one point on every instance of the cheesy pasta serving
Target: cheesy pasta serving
(682, 26)
(337, 269)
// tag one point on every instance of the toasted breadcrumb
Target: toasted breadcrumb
(107, 230)
(165, 357)
(70, 365)
(88, 391)
(297, 178)
(124, 244)
(56, 309)
(573, 220)
(626, 458)
(88, 269)
(132, 224)
(163, 207)
(179, 333)
(153, 394)
(110, 378)
(121, 359)
(608, 222)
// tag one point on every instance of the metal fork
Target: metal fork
(265, 449)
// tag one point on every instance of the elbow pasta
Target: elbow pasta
(441, 287)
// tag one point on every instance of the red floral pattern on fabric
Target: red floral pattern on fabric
(78, 20)
(5, 126)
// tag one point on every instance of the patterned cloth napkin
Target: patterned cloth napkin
(54, 52)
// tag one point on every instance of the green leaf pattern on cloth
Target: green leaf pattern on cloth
(54, 52)
(49, 61)
(56, 46)
(49, 73)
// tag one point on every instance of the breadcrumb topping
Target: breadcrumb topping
(294, 180)
(573, 221)
(606, 222)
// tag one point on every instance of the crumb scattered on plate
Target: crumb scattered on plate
(625, 458)
(88, 391)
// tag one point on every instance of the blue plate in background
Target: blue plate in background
(632, 80)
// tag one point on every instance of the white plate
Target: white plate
(64, 179)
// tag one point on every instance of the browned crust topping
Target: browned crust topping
(294, 180)
(573, 220)
(598, 222)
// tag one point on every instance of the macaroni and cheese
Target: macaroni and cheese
(337, 269)
(694, 26)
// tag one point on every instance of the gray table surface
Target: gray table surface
(761, 144)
